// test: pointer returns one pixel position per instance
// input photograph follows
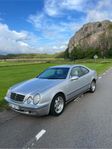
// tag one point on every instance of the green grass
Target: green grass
(12, 73)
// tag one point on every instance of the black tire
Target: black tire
(93, 86)
(53, 110)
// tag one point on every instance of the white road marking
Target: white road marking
(78, 98)
(100, 77)
(32, 142)
(40, 134)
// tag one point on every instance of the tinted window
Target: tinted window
(84, 70)
(76, 71)
(54, 73)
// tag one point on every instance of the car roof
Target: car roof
(66, 66)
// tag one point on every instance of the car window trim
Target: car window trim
(81, 70)
(85, 68)
(71, 70)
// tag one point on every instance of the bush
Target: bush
(109, 53)
(78, 53)
(66, 54)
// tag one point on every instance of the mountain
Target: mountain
(95, 35)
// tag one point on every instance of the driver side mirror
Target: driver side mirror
(74, 78)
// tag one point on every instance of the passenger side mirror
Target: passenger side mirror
(74, 78)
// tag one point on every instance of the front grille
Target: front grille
(17, 97)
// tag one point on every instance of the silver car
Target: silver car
(51, 90)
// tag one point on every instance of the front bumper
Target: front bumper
(40, 109)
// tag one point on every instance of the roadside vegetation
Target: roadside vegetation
(12, 72)
(78, 53)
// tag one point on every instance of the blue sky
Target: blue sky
(45, 26)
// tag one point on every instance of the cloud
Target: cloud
(51, 7)
(102, 11)
(94, 10)
(12, 41)
(56, 8)
(55, 36)
(74, 4)
(36, 20)
(55, 48)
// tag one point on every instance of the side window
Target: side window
(76, 71)
(84, 70)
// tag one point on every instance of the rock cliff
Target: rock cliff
(96, 35)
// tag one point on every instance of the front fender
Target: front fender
(48, 96)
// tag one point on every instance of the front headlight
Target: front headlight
(8, 94)
(36, 99)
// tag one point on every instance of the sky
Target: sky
(46, 26)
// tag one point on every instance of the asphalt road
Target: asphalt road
(85, 123)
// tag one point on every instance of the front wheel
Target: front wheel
(93, 86)
(57, 105)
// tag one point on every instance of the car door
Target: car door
(86, 78)
(75, 87)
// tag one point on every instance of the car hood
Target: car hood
(35, 85)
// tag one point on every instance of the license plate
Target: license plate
(14, 106)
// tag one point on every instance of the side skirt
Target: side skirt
(71, 99)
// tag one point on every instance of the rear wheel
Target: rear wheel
(57, 105)
(93, 86)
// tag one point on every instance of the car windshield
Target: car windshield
(54, 73)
